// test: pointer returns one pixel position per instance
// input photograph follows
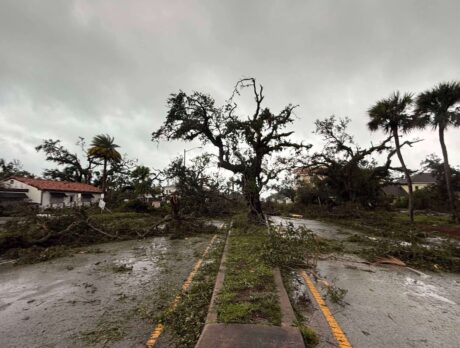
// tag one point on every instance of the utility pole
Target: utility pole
(185, 152)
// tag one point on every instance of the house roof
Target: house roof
(394, 190)
(52, 185)
(420, 178)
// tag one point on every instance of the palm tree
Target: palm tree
(439, 107)
(392, 115)
(142, 179)
(103, 147)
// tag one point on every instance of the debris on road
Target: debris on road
(390, 260)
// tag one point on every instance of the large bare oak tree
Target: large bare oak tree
(245, 144)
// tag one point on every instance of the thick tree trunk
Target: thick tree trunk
(407, 174)
(252, 197)
(447, 174)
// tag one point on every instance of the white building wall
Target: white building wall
(67, 201)
(34, 194)
(44, 200)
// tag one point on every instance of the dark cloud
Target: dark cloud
(79, 68)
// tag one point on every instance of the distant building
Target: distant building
(51, 193)
(394, 190)
(279, 198)
(170, 189)
(10, 196)
(419, 181)
(401, 189)
(306, 176)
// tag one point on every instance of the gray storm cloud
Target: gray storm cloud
(79, 68)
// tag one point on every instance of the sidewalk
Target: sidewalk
(249, 336)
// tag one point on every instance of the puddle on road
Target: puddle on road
(107, 287)
(419, 288)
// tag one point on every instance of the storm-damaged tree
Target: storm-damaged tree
(393, 115)
(348, 172)
(70, 166)
(435, 197)
(199, 190)
(286, 187)
(103, 147)
(244, 144)
(12, 168)
(142, 180)
(440, 108)
(118, 175)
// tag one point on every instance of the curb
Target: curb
(212, 312)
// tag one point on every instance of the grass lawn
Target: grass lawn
(249, 292)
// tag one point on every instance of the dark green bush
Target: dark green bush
(137, 206)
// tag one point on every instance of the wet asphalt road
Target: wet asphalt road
(70, 301)
(389, 306)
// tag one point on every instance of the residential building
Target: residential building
(307, 176)
(419, 181)
(279, 198)
(401, 189)
(52, 193)
(10, 196)
(169, 190)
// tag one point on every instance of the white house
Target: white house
(169, 190)
(419, 181)
(54, 194)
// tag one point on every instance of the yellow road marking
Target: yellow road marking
(335, 327)
(157, 331)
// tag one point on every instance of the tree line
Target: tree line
(257, 148)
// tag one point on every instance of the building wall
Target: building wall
(34, 194)
(70, 199)
(45, 200)
(416, 186)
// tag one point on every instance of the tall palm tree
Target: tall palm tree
(103, 147)
(393, 116)
(440, 108)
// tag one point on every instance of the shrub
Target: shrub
(289, 246)
(137, 206)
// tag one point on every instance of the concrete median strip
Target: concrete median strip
(219, 335)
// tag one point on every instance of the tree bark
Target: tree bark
(407, 174)
(447, 174)
(252, 197)
(104, 175)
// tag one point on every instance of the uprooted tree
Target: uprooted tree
(245, 144)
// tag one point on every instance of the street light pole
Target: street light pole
(193, 148)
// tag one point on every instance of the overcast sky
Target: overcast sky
(80, 68)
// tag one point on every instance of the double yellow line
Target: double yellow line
(334, 326)
(158, 330)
